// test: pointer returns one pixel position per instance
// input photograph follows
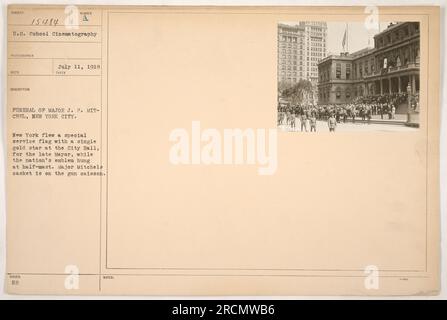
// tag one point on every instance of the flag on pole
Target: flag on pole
(345, 36)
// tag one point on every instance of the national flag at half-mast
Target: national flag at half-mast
(345, 39)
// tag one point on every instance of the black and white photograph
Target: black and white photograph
(348, 76)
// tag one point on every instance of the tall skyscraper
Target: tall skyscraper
(300, 47)
(315, 43)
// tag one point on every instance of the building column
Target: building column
(413, 84)
(389, 85)
(381, 86)
(399, 84)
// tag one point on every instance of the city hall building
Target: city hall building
(390, 67)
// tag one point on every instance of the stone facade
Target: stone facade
(390, 67)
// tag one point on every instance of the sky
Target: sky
(359, 36)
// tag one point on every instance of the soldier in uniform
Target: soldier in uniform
(313, 123)
(332, 123)
(303, 122)
(291, 120)
(368, 115)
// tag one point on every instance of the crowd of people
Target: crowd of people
(361, 108)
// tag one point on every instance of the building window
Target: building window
(338, 71)
(338, 93)
(348, 71)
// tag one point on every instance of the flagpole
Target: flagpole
(347, 37)
(345, 42)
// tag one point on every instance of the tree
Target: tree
(299, 92)
(284, 85)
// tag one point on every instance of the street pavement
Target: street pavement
(349, 127)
